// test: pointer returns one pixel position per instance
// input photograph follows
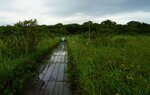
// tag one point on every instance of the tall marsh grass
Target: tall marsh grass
(111, 65)
(16, 65)
(22, 46)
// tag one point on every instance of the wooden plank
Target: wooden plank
(56, 52)
(51, 59)
(55, 71)
(60, 77)
(45, 69)
(65, 74)
(40, 90)
(66, 53)
(67, 90)
(50, 88)
(58, 59)
(66, 59)
(41, 69)
(62, 59)
(60, 92)
(60, 52)
(55, 60)
(63, 53)
(49, 72)
(41, 75)
(56, 89)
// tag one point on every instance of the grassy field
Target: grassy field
(17, 66)
(110, 65)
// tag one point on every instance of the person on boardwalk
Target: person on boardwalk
(63, 39)
(63, 43)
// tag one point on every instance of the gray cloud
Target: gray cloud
(97, 7)
(70, 11)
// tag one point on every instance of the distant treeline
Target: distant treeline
(108, 26)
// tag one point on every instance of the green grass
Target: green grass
(15, 69)
(110, 65)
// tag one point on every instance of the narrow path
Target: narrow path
(52, 78)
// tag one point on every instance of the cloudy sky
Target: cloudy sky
(74, 11)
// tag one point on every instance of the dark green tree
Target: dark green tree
(108, 23)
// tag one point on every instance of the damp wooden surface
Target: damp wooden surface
(52, 79)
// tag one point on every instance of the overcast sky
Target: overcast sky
(74, 11)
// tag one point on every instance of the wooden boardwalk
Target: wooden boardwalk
(52, 78)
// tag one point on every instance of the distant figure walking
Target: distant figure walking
(62, 39)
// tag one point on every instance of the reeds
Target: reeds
(110, 65)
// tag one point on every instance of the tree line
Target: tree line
(108, 26)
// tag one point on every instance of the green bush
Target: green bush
(15, 71)
(21, 47)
